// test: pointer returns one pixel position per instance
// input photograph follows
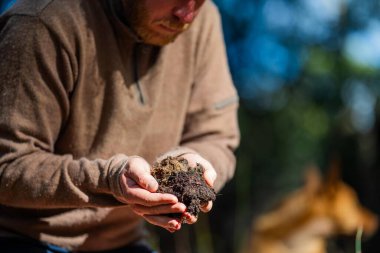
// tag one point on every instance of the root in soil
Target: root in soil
(175, 176)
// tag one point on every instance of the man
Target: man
(91, 94)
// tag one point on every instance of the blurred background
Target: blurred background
(5, 4)
(307, 72)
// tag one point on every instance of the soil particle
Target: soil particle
(175, 176)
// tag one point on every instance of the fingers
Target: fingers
(209, 174)
(139, 170)
(207, 207)
(188, 218)
(168, 223)
(158, 210)
(134, 194)
(191, 219)
(139, 186)
(192, 159)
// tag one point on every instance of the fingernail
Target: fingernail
(210, 177)
(174, 225)
(186, 217)
(153, 185)
(182, 207)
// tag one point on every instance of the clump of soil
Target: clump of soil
(175, 176)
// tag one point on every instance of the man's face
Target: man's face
(159, 22)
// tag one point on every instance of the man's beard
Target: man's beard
(138, 19)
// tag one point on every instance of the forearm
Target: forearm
(37, 78)
(39, 179)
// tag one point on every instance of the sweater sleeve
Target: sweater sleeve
(211, 127)
(35, 80)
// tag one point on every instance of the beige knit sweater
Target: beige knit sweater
(71, 114)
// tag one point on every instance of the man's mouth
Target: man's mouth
(174, 29)
(169, 29)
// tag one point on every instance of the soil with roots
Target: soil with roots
(175, 176)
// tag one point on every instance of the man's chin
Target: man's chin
(159, 42)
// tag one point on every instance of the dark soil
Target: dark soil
(175, 176)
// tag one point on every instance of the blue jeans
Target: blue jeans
(21, 245)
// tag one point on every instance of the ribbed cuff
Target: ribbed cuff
(117, 168)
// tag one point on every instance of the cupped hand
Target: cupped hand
(139, 188)
(209, 176)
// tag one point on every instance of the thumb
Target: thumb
(210, 176)
(139, 171)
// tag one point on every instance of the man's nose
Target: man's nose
(186, 12)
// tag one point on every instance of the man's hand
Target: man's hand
(139, 189)
(209, 175)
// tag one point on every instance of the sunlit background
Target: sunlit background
(5, 4)
(307, 72)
